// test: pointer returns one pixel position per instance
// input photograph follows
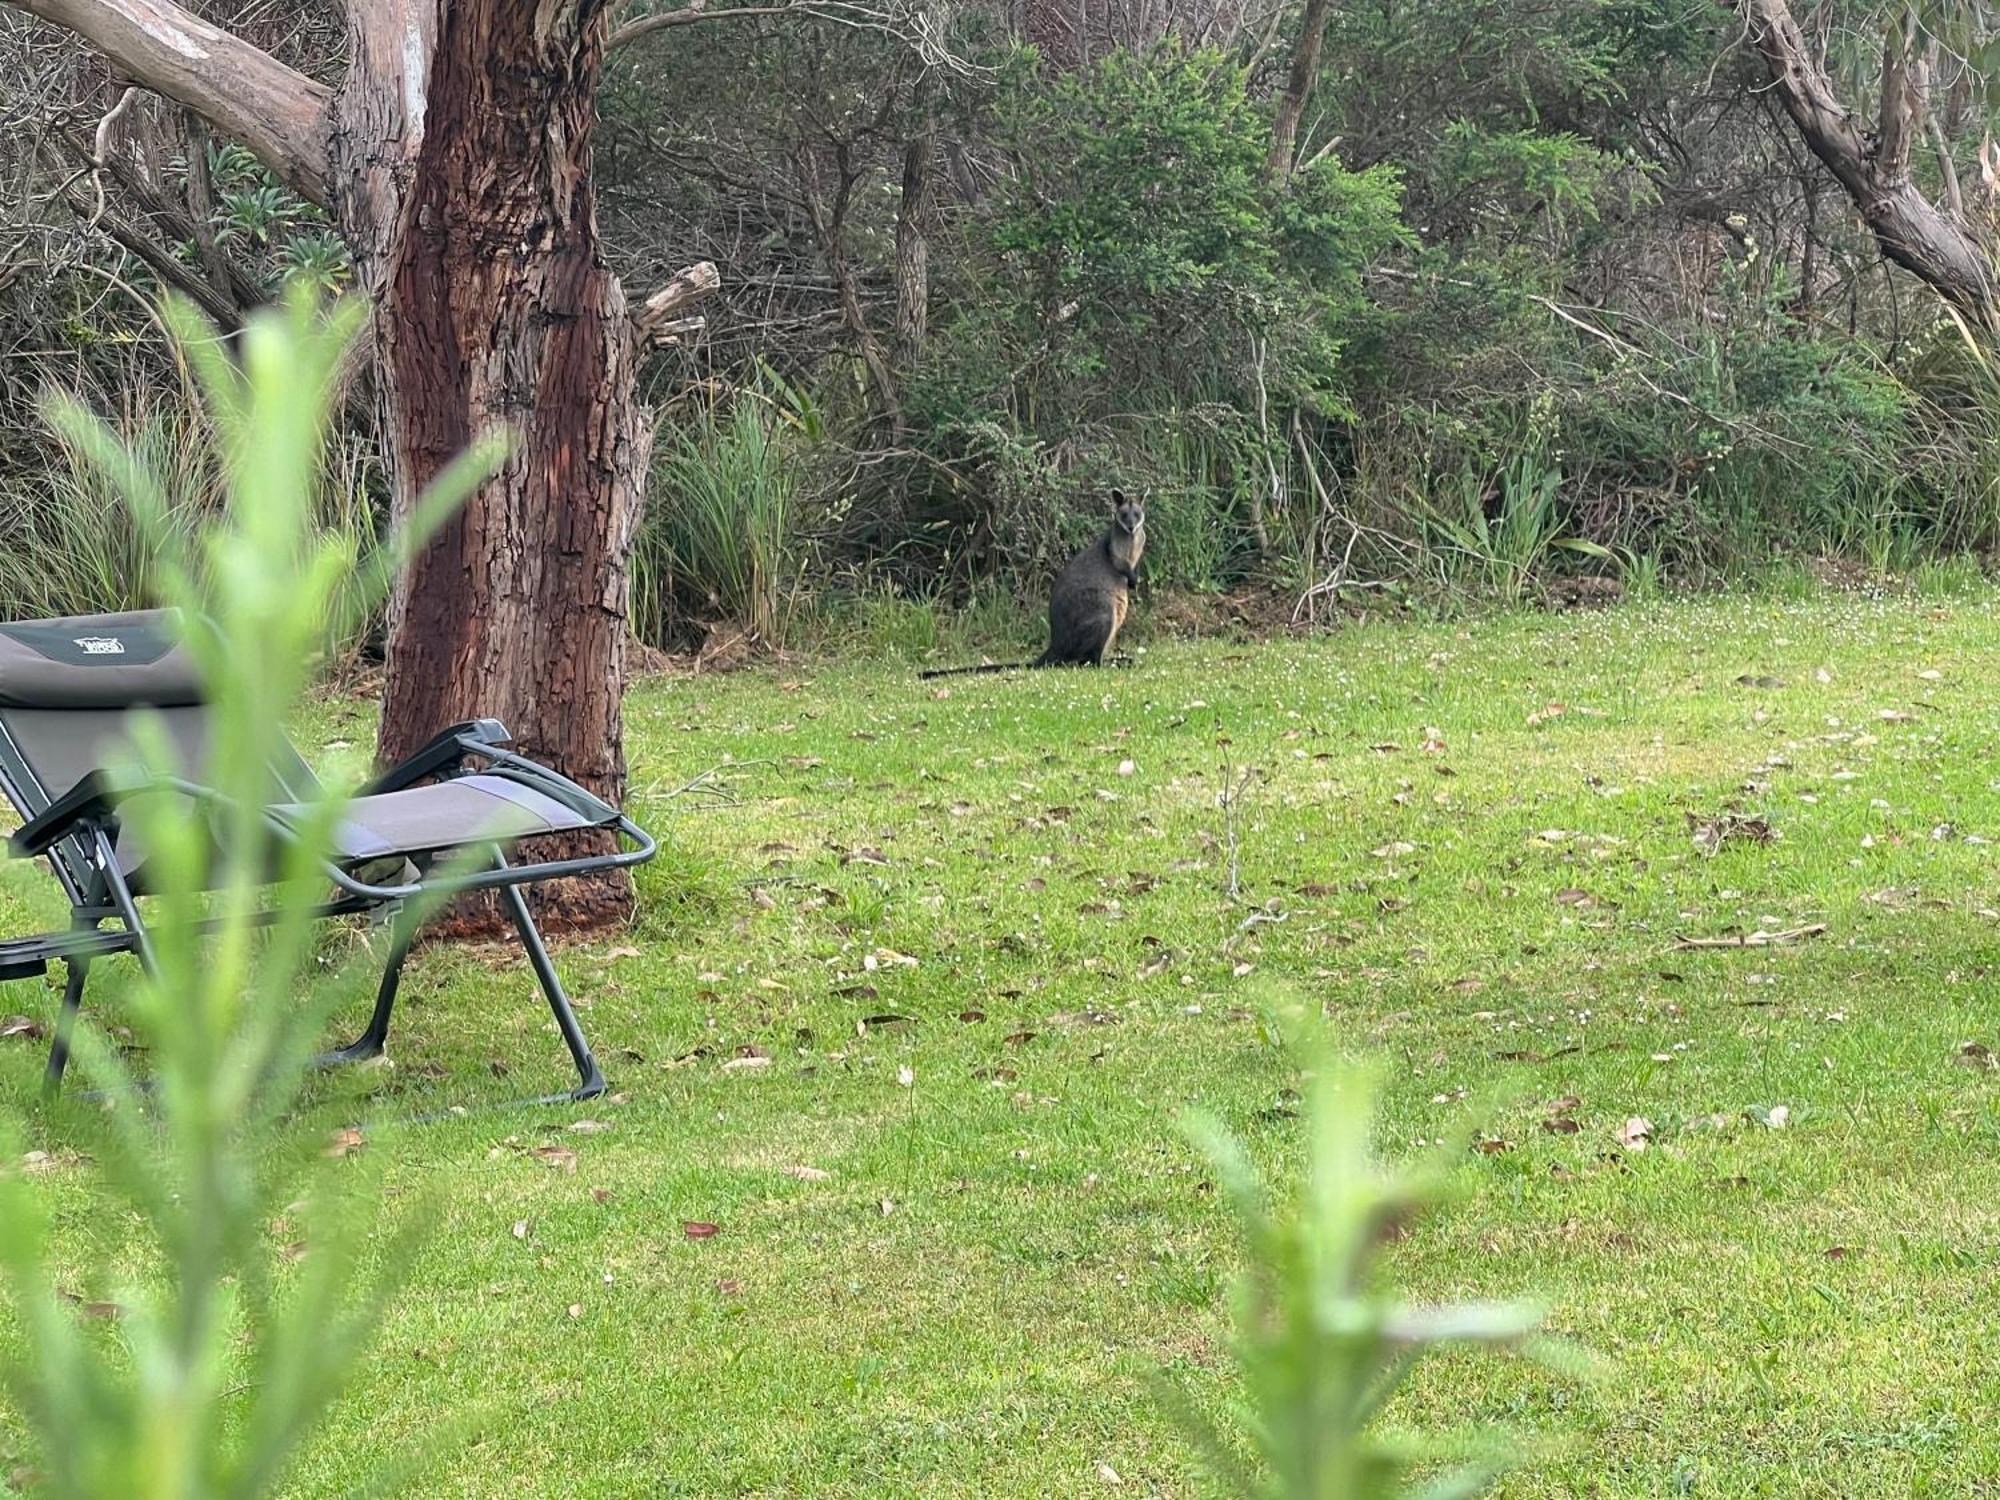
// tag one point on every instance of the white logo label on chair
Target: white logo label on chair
(101, 645)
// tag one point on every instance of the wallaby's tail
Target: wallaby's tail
(990, 666)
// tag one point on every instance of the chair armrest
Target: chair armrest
(552, 784)
(91, 800)
(445, 751)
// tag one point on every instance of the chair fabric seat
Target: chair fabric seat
(72, 694)
(483, 808)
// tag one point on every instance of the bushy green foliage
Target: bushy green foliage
(1321, 1344)
(283, 237)
(1137, 267)
(222, 1359)
(1552, 229)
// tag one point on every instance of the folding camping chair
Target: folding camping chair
(67, 687)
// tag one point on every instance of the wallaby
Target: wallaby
(1091, 595)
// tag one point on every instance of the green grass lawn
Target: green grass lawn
(1017, 888)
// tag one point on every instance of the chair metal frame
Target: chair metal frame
(77, 833)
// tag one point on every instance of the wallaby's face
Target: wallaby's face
(1128, 512)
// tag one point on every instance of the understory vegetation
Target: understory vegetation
(1543, 289)
(1687, 908)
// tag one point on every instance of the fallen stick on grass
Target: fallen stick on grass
(1757, 939)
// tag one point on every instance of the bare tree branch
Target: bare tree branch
(242, 91)
(914, 28)
(1911, 230)
(660, 316)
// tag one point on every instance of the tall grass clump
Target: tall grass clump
(71, 544)
(1321, 1343)
(721, 536)
(1496, 534)
(229, 1340)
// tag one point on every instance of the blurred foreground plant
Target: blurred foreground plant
(1320, 1343)
(219, 1361)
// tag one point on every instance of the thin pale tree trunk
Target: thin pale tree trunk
(1299, 81)
(913, 256)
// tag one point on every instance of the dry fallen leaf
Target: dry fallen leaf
(1710, 834)
(1635, 1133)
(808, 1174)
(560, 1157)
(91, 1309)
(700, 1229)
(21, 1026)
(344, 1142)
(520, 1229)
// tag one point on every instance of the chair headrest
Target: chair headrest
(97, 661)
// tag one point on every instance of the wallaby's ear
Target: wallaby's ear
(1117, 497)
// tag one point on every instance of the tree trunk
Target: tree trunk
(1299, 81)
(495, 309)
(201, 206)
(913, 256)
(1910, 229)
(829, 221)
(456, 158)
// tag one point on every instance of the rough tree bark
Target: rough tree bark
(1874, 168)
(1299, 81)
(201, 206)
(913, 256)
(455, 158)
(464, 189)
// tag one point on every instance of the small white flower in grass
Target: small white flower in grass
(906, 1076)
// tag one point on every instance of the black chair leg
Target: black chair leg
(72, 1002)
(590, 1076)
(372, 1040)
